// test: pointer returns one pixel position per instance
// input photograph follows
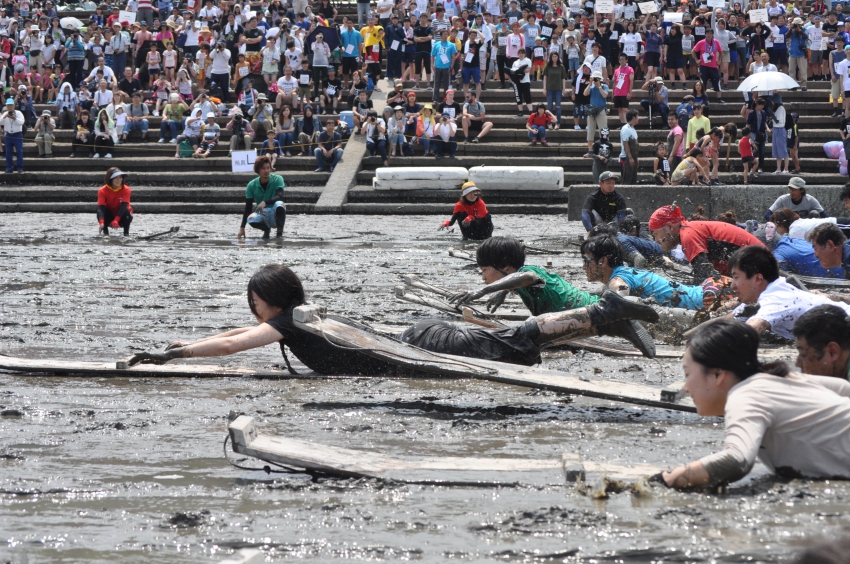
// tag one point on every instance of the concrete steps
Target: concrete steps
(127, 158)
(153, 194)
(93, 178)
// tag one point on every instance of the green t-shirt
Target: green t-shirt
(555, 294)
(256, 192)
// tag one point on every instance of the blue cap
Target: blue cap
(10, 102)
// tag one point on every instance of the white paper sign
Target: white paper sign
(394, 45)
(243, 161)
(503, 41)
(717, 4)
(130, 17)
(758, 16)
(349, 49)
(605, 6)
(649, 7)
(469, 57)
(675, 17)
(824, 43)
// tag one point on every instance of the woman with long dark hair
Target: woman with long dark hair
(275, 291)
(796, 424)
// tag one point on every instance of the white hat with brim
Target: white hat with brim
(117, 173)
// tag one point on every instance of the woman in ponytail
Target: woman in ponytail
(797, 424)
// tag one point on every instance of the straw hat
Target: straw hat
(426, 106)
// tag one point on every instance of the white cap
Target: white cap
(210, 115)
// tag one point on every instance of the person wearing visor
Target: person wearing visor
(113, 203)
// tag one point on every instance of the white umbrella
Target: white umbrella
(273, 32)
(70, 23)
(764, 81)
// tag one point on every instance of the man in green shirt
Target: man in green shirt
(266, 191)
(503, 269)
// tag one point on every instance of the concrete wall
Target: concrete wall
(749, 202)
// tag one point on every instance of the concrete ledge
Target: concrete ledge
(749, 202)
(517, 177)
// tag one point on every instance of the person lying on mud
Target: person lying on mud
(756, 280)
(707, 245)
(638, 251)
(796, 255)
(604, 261)
(503, 269)
(796, 424)
(822, 338)
(275, 291)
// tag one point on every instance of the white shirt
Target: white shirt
(844, 71)
(102, 98)
(800, 422)
(108, 74)
(595, 63)
(12, 124)
(220, 61)
(445, 131)
(781, 304)
(287, 86)
(526, 77)
(293, 58)
(801, 227)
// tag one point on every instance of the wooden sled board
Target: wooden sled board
(66, 367)
(443, 470)
(446, 307)
(823, 282)
(597, 345)
(346, 333)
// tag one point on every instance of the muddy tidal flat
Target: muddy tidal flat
(133, 470)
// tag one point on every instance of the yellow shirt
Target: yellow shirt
(694, 125)
(371, 36)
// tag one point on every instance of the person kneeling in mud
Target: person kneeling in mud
(266, 191)
(796, 424)
(604, 261)
(471, 214)
(275, 291)
(503, 269)
(113, 203)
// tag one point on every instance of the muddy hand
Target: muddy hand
(464, 298)
(156, 358)
(494, 302)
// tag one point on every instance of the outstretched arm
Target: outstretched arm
(509, 282)
(254, 337)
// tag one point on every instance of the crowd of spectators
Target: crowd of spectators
(276, 66)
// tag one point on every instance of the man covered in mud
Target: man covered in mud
(707, 245)
(604, 261)
(756, 280)
(275, 291)
(503, 269)
(822, 338)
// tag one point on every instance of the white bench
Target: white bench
(420, 178)
(517, 177)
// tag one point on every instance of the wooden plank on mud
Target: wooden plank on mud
(444, 470)
(445, 307)
(67, 367)
(345, 333)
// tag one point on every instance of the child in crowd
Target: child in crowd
(120, 123)
(573, 54)
(154, 60)
(360, 109)
(601, 153)
(209, 137)
(471, 214)
(34, 84)
(161, 91)
(793, 142)
(538, 58)
(745, 149)
(169, 59)
(661, 167)
(271, 147)
(184, 86)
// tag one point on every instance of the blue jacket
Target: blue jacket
(798, 44)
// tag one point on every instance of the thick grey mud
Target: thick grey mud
(132, 470)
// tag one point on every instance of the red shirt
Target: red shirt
(717, 239)
(113, 199)
(744, 147)
(539, 121)
(475, 211)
